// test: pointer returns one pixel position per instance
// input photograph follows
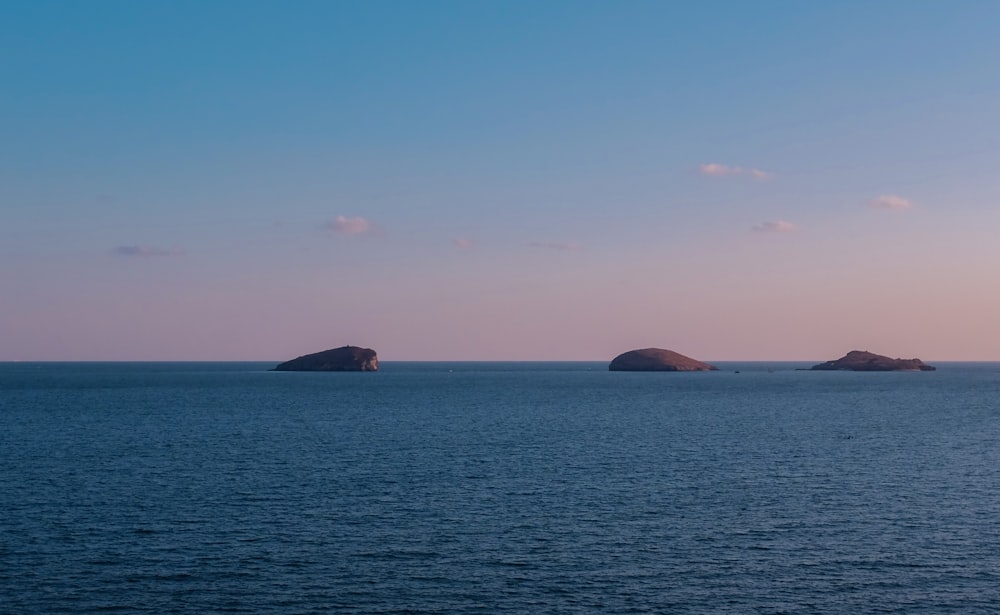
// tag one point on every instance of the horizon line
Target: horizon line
(381, 361)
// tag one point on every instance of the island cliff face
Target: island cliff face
(343, 359)
(864, 361)
(657, 360)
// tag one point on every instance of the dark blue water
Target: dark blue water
(497, 488)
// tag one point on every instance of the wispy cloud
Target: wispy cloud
(890, 201)
(145, 251)
(463, 244)
(718, 170)
(775, 226)
(344, 225)
(568, 246)
(714, 169)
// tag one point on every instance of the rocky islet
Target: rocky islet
(343, 359)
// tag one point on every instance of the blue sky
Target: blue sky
(508, 180)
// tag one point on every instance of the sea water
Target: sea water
(497, 488)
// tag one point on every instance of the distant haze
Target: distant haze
(499, 181)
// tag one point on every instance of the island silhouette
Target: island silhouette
(343, 359)
(864, 361)
(657, 360)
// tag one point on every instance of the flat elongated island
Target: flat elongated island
(864, 361)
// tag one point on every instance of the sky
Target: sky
(559, 180)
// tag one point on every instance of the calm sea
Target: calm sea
(497, 488)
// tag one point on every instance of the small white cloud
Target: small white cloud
(890, 201)
(350, 226)
(463, 244)
(714, 169)
(775, 226)
(145, 251)
(568, 246)
(718, 170)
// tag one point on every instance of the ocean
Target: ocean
(498, 488)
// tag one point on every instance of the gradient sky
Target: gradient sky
(461, 180)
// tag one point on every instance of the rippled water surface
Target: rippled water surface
(498, 488)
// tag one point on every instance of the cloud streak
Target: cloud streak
(463, 244)
(714, 169)
(344, 225)
(144, 251)
(890, 201)
(565, 246)
(775, 226)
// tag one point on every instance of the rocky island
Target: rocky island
(343, 359)
(657, 360)
(864, 361)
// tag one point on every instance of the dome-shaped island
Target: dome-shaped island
(657, 360)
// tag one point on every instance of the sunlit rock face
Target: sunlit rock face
(864, 361)
(657, 360)
(343, 359)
